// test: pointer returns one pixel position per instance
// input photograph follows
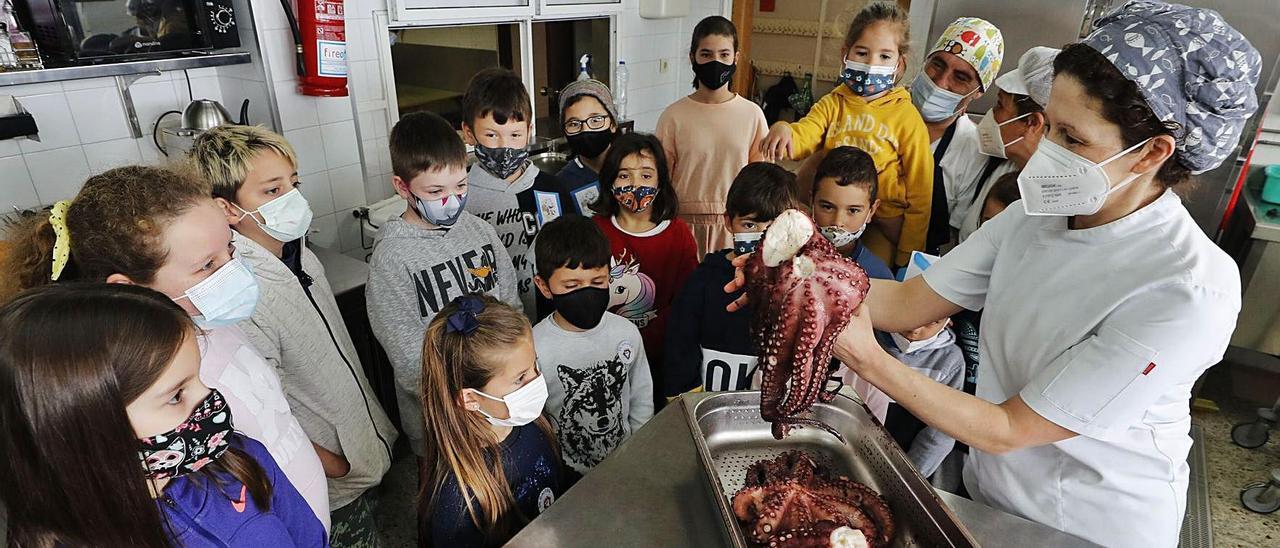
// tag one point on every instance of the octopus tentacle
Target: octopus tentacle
(804, 293)
(788, 499)
(869, 500)
(817, 535)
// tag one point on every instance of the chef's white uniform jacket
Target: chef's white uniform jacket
(961, 165)
(1101, 331)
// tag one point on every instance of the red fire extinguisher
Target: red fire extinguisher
(320, 47)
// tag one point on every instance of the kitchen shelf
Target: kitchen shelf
(123, 69)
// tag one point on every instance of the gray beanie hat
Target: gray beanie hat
(593, 88)
(1192, 67)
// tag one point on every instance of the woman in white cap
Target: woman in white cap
(1103, 300)
(1006, 137)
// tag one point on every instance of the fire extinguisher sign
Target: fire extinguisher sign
(333, 58)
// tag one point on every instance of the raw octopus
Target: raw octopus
(803, 292)
(791, 501)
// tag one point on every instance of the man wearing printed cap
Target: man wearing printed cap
(1007, 136)
(961, 66)
(1103, 301)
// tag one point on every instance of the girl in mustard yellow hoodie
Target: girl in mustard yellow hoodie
(868, 112)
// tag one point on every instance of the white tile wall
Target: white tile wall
(108, 154)
(348, 187)
(18, 189)
(98, 114)
(309, 145)
(53, 118)
(319, 193)
(58, 173)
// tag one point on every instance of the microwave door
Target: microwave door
(116, 29)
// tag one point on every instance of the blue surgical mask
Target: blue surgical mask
(227, 296)
(934, 103)
(866, 80)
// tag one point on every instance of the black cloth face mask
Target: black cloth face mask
(714, 74)
(591, 144)
(582, 307)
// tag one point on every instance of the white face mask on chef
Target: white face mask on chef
(523, 406)
(285, 218)
(1059, 182)
(989, 139)
(227, 296)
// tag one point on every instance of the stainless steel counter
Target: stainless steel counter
(651, 492)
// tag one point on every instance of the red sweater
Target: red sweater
(645, 275)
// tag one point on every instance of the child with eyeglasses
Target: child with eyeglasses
(590, 125)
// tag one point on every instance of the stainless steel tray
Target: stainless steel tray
(731, 436)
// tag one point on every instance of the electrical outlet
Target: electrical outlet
(663, 65)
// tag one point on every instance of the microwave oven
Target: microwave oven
(81, 32)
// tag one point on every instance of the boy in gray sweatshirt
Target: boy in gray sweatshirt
(599, 390)
(297, 326)
(429, 255)
(507, 190)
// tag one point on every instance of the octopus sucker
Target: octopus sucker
(791, 501)
(804, 292)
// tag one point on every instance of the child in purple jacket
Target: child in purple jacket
(111, 439)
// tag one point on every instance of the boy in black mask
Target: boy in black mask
(599, 390)
(709, 348)
(590, 124)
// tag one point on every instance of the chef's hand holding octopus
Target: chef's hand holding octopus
(1102, 300)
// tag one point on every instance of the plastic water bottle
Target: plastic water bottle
(584, 67)
(620, 89)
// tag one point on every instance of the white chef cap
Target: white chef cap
(1033, 76)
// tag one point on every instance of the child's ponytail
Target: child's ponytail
(461, 443)
(29, 258)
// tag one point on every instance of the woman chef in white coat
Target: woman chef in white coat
(1103, 299)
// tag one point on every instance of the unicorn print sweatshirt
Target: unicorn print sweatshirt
(645, 274)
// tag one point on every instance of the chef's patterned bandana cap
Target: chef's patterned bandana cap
(976, 41)
(1192, 68)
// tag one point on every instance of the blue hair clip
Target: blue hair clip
(463, 320)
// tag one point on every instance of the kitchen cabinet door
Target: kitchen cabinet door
(443, 11)
(578, 8)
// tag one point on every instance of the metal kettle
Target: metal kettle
(200, 115)
(205, 114)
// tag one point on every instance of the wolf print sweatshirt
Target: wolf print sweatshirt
(598, 387)
(416, 271)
